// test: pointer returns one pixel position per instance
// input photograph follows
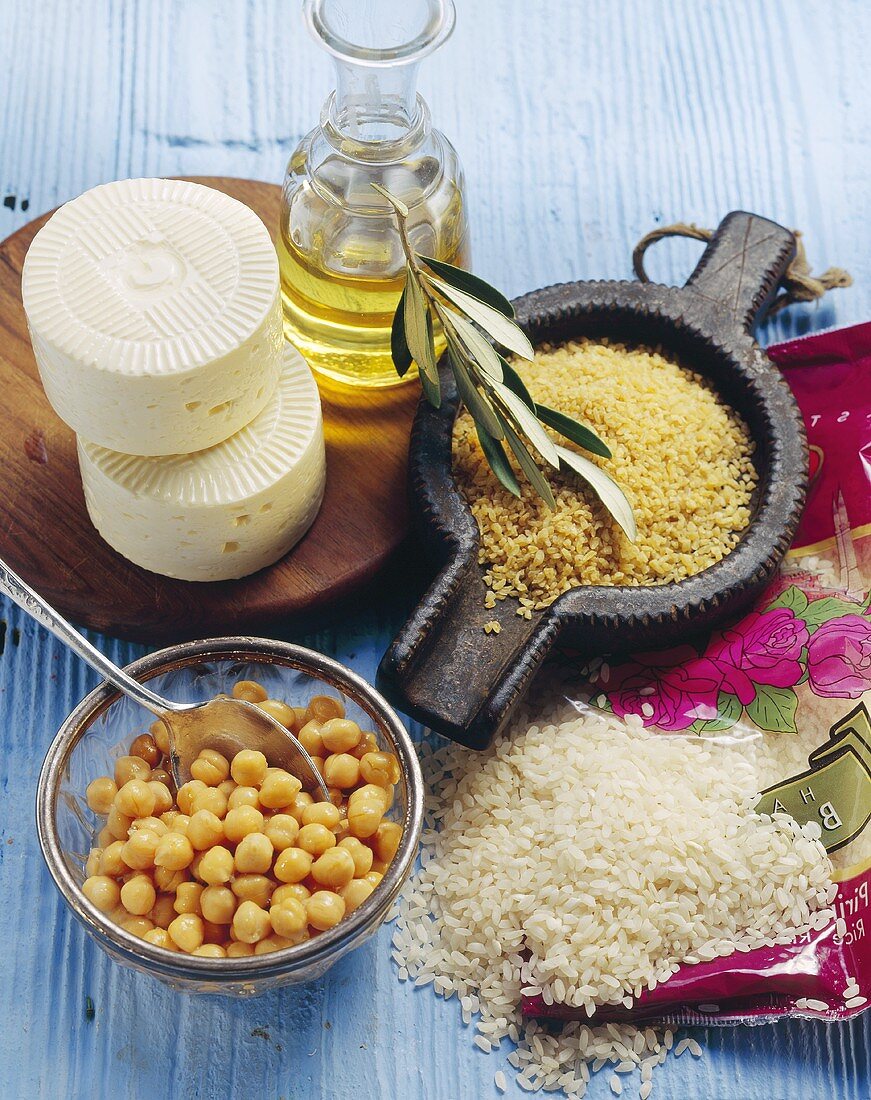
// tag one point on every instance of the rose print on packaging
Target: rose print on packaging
(754, 667)
(839, 658)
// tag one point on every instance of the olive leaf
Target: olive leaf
(399, 352)
(605, 488)
(527, 463)
(418, 328)
(471, 284)
(479, 348)
(578, 433)
(503, 329)
(488, 385)
(528, 423)
(494, 452)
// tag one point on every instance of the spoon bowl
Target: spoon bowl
(230, 725)
(225, 724)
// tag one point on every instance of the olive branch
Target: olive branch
(490, 388)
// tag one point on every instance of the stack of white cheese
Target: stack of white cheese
(154, 311)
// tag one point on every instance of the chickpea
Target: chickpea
(163, 800)
(282, 831)
(92, 863)
(257, 888)
(187, 898)
(337, 797)
(112, 860)
(130, 767)
(244, 796)
(218, 904)
(368, 743)
(374, 877)
(315, 838)
(135, 799)
(319, 762)
(251, 923)
(152, 824)
(279, 788)
(179, 824)
(216, 866)
(254, 854)
(273, 943)
(145, 747)
(380, 768)
(281, 712)
(137, 926)
(161, 775)
(138, 851)
(340, 735)
(105, 837)
(249, 691)
(296, 890)
(360, 853)
(296, 807)
(138, 895)
(160, 734)
(100, 794)
(102, 891)
(210, 951)
(226, 787)
(242, 821)
(163, 913)
(380, 866)
(239, 950)
(324, 910)
(185, 797)
(187, 931)
(365, 810)
(310, 738)
(386, 840)
(174, 852)
(118, 824)
(334, 869)
(212, 799)
(355, 893)
(160, 938)
(169, 881)
(293, 864)
(249, 768)
(342, 770)
(321, 813)
(324, 707)
(205, 829)
(299, 719)
(210, 767)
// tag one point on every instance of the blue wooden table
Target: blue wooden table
(581, 126)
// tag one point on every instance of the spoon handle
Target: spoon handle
(22, 594)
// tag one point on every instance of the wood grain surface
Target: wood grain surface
(47, 536)
(581, 126)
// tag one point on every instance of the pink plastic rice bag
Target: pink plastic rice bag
(793, 678)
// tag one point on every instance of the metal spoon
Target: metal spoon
(225, 724)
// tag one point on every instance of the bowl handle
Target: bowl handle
(446, 671)
(739, 273)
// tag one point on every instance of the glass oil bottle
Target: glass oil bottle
(341, 260)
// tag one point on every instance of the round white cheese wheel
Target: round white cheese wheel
(224, 512)
(154, 312)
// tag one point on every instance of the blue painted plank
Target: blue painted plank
(580, 126)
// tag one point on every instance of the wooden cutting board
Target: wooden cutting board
(45, 533)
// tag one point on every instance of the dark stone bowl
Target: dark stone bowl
(442, 668)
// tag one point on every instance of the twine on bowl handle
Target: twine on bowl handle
(799, 285)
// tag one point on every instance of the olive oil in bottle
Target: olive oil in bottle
(341, 259)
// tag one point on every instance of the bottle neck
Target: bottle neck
(375, 109)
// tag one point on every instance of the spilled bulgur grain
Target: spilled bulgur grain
(682, 457)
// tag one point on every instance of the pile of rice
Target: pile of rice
(584, 859)
(682, 457)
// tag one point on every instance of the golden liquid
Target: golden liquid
(338, 304)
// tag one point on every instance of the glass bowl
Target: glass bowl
(101, 728)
